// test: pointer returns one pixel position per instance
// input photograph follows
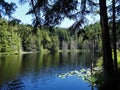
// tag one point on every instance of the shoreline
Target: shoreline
(44, 51)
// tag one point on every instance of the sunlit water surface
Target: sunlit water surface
(39, 71)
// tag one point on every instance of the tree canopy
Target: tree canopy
(7, 8)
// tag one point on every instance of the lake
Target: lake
(39, 71)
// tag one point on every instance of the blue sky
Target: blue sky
(27, 19)
(21, 11)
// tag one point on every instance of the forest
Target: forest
(44, 35)
(19, 38)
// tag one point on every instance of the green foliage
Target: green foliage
(19, 37)
(93, 32)
(30, 44)
(100, 60)
(94, 76)
(118, 56)
(9, 41)
(7, 8)
(98, 76)
(16, 37)
(53, 45)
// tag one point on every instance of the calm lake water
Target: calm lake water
(38, 71)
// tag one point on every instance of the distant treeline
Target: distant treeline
(17, 38)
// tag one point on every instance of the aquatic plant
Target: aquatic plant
(94, 76)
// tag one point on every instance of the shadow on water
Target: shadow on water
(38, 71)
(13, 85)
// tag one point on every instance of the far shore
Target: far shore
(44, 51)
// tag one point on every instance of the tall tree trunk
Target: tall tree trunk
(114, 35)
(107, 52)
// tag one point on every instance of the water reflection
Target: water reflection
(38, 70)
(14, 85)
(9, 67)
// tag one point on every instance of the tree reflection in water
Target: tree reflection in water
(14, 85)
(92, 74)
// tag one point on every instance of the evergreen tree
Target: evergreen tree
(6, 8)
(107, 52)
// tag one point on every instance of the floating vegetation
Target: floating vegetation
(93, 76)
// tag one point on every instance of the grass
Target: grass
(100, 60)
(118, 56)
